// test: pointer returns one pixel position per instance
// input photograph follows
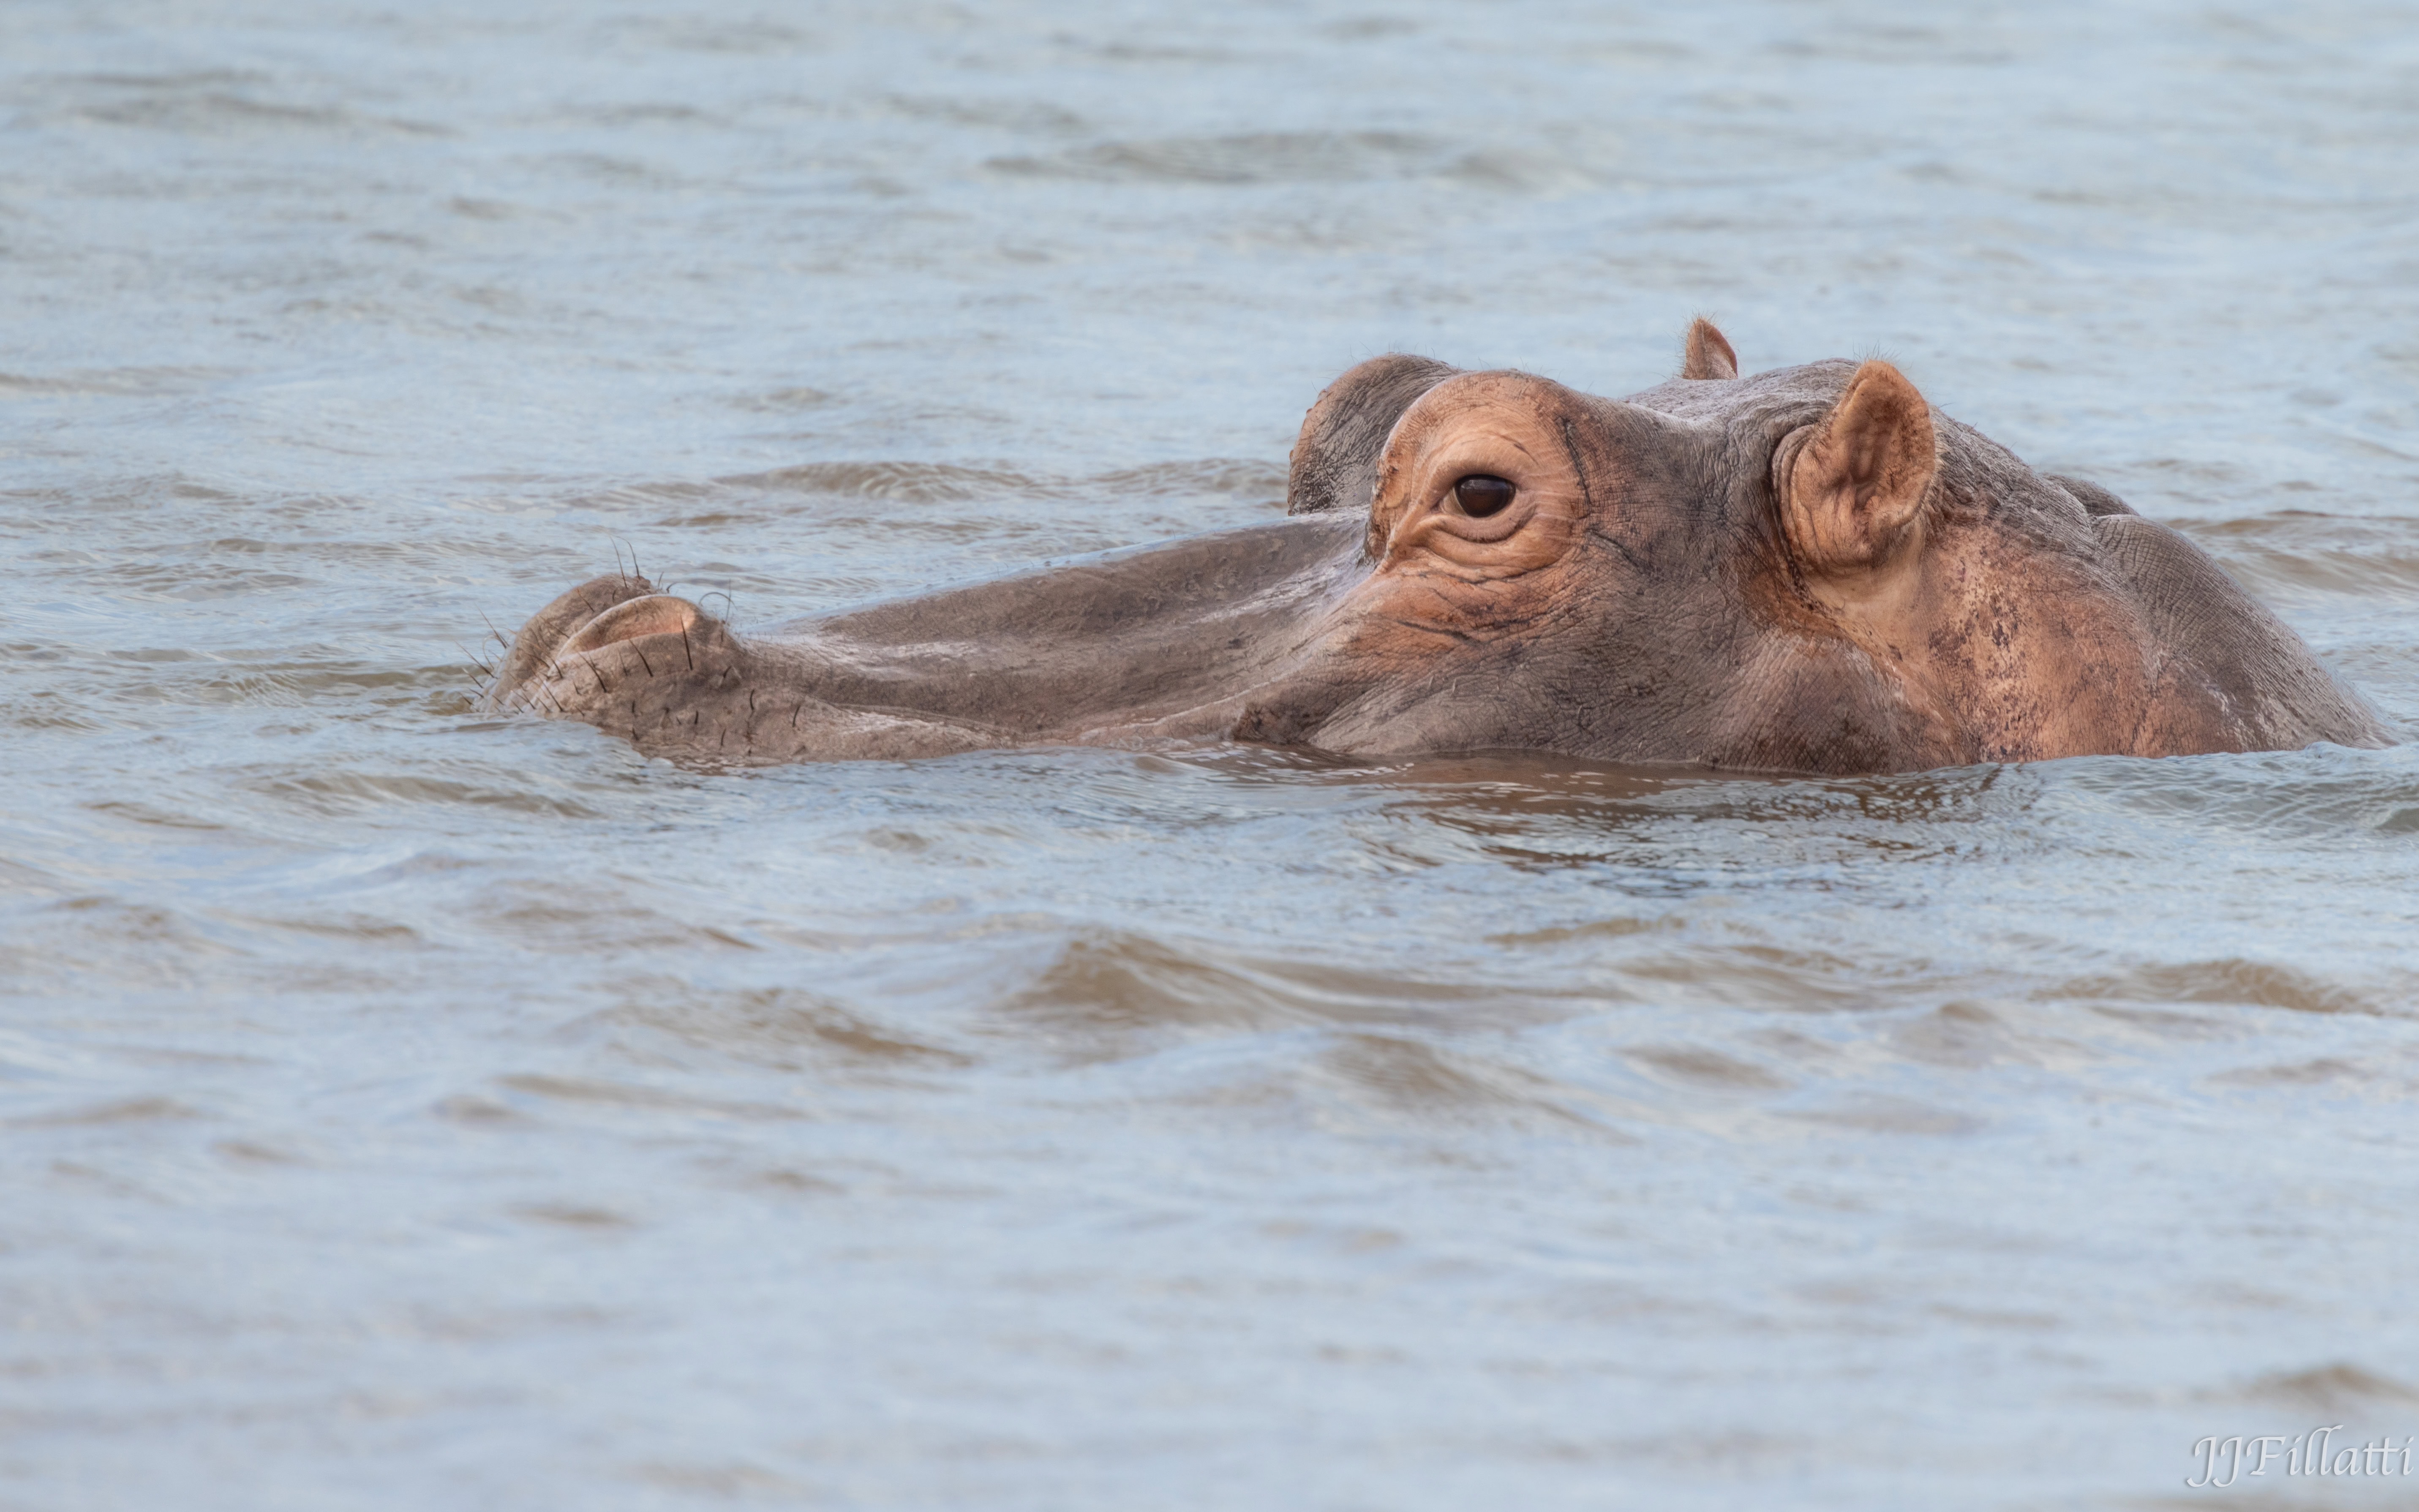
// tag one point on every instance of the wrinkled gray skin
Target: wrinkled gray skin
(1677, 623)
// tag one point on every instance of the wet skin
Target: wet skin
(1808, 570)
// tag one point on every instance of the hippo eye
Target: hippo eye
(1481, 494)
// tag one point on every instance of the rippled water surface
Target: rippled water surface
(405, 1108)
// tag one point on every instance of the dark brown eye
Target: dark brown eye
(1481, 494)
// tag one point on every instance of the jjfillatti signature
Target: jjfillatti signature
(2225, 1461)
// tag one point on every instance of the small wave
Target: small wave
(1517, 171)
(1886, 1114)
(2326, 1071)
(145, 814)
(1173, 480)
(784, 401)
(781, 1027)
(734, 1481)
(753, 37)
(1696, 1066)
(573, 1215)
(2292, 553)
(1106, 994)
(2326, 792)
(2339, 1386)
(180, 79)
(596, 1091)
(936, 483)
(1552, 812)
(920, 483)
(1437, 1085)
(1969, 1035)
(119, 1110)
(351, 928)
(1249, 157)
(216, 103)
(1748, 975)
(2232, 981)
(1002, 114)
(339, 792)
(108, 381)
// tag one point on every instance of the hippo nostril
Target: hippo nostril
(656, 614)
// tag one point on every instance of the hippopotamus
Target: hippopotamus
(1808, 570)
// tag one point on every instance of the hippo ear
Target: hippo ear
(1854, 483)
(1709, 353)
(1334, 462)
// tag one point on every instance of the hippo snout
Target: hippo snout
(675, 681)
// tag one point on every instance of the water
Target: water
(408, 1108)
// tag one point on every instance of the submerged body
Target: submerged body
(1808, 570)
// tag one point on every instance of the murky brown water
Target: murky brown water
(406, 1109)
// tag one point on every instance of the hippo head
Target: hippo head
(1804, 570)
